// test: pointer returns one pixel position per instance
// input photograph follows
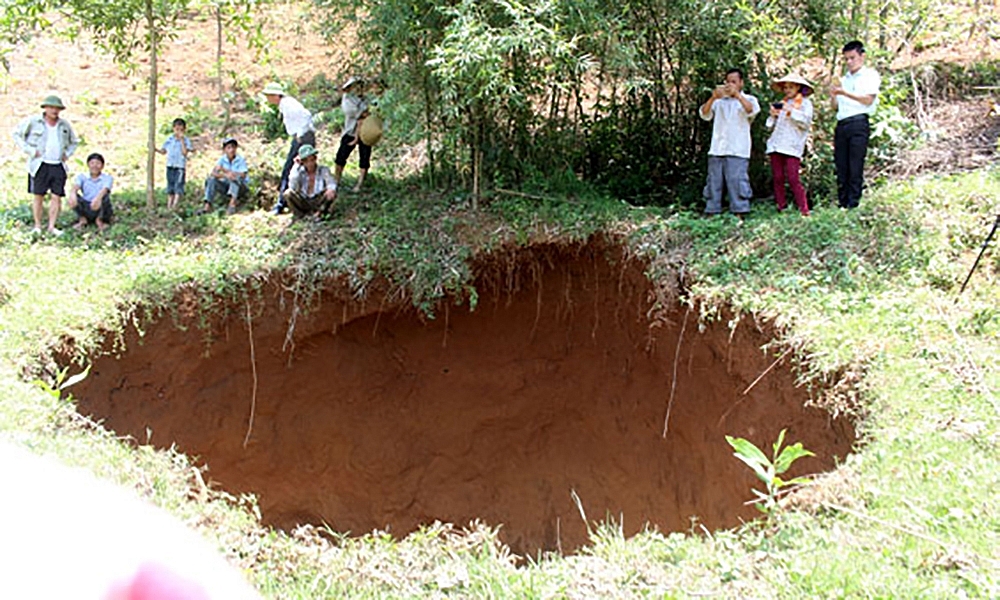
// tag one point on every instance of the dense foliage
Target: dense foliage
(505, 89)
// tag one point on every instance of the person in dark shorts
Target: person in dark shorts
(731, 112)
(49, 141)
(91, 195)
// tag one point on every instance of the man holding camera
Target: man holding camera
(855, 97)
(731, 111)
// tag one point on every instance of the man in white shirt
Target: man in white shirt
(298, 126)
(729, 155)
(49, 141)
(855, 98)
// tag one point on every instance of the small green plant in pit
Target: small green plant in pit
(62, 381)
(768, 470)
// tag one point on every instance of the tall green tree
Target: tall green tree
(234, 17)
(126, 28)
(495, 58)
(611, 89)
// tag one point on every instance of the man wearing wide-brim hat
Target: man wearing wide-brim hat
(299, 127)
(311, 187)
(49, 141)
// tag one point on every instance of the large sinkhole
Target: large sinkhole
(368, 415)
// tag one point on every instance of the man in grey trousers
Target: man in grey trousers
(731, 112)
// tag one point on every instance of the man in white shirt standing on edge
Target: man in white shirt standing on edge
(855, 98)
(729, 155)
(298, 125)
(49, 141)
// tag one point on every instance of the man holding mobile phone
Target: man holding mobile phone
(731, 111)
(855, 98)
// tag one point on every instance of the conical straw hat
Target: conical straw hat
(792, 78)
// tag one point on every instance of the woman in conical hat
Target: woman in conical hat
(790, 118)
(355, 105)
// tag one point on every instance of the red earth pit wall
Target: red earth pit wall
(557, 382)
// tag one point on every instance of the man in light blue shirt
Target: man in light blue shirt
(91, 195)
(229, 176)
(855, 98)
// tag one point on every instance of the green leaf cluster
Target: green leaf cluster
(769, 470)
(500, 89)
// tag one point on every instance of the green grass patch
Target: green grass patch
(914, 513)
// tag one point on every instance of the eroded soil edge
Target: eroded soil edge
(557, 382)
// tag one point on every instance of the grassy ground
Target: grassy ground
(867, 298)
(870, 295)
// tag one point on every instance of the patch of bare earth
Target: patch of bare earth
(557, 384)
(959, 135)
(108, 107)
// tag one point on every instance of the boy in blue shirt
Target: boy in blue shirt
(228, 176)
(91, 195)
(176, 147)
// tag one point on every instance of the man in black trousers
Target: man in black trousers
(855, 97)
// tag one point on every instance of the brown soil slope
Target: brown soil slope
(554, 385)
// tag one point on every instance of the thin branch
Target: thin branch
(752, 384)
(253, 367)
(767, 370)
(673, 384)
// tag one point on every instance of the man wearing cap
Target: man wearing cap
(311, 187)
(228, 176)
(49, 141)
(298, 125)
(731, 111)
(855, 97)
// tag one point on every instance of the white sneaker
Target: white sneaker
(55, 232)
(36, 231)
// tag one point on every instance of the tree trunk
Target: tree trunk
(218, 51)
(151, 137)
(428, 123)
(218, 70)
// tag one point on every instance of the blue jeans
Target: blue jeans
(729, 172)
(219, 185)
(175, 181)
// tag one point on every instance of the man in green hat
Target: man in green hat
(311, 187)
(299, 127)
(49, 141)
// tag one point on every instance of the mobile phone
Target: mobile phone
(778, 105)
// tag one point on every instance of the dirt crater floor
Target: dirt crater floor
(556, 383)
